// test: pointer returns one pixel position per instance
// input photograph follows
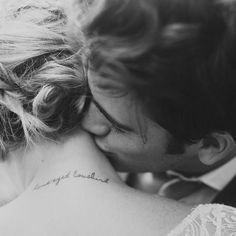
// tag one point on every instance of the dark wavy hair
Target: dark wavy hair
(178, 56)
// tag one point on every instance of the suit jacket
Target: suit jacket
(228, 195)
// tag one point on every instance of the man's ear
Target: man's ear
(216, 148)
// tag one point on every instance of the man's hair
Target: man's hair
(41, 77)
(178, 56)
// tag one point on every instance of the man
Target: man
(162, 79)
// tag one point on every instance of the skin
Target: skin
(56, 201)
(135, 143)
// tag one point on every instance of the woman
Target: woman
(39, 83)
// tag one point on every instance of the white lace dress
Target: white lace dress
(208, 220)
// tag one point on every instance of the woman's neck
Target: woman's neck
(17, 171)
(77, 155)
(26, 167)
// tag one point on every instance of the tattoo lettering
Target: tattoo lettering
(89, 176)
(70, 174)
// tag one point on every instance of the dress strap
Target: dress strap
(208, 220)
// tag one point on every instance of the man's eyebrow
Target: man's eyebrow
(110, 118)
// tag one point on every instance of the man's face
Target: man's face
(121, 129)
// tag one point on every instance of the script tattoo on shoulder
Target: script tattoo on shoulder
(70, 175)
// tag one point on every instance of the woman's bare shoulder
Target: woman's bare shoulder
(77, 192)
(88, 205)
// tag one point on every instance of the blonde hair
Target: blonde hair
(42, 83)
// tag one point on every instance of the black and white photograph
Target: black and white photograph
(117, 117)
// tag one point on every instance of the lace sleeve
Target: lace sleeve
(208, 220)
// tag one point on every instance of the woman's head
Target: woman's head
(41, 77)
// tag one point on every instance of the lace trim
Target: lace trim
(208, 220)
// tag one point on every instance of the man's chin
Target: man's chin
(120, 166)
(113, 159)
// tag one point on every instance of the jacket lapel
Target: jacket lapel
(228, 195)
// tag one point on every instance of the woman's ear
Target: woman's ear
(216, 148)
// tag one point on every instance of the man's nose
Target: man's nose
(94, 122)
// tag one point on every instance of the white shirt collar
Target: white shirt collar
(216, 179)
